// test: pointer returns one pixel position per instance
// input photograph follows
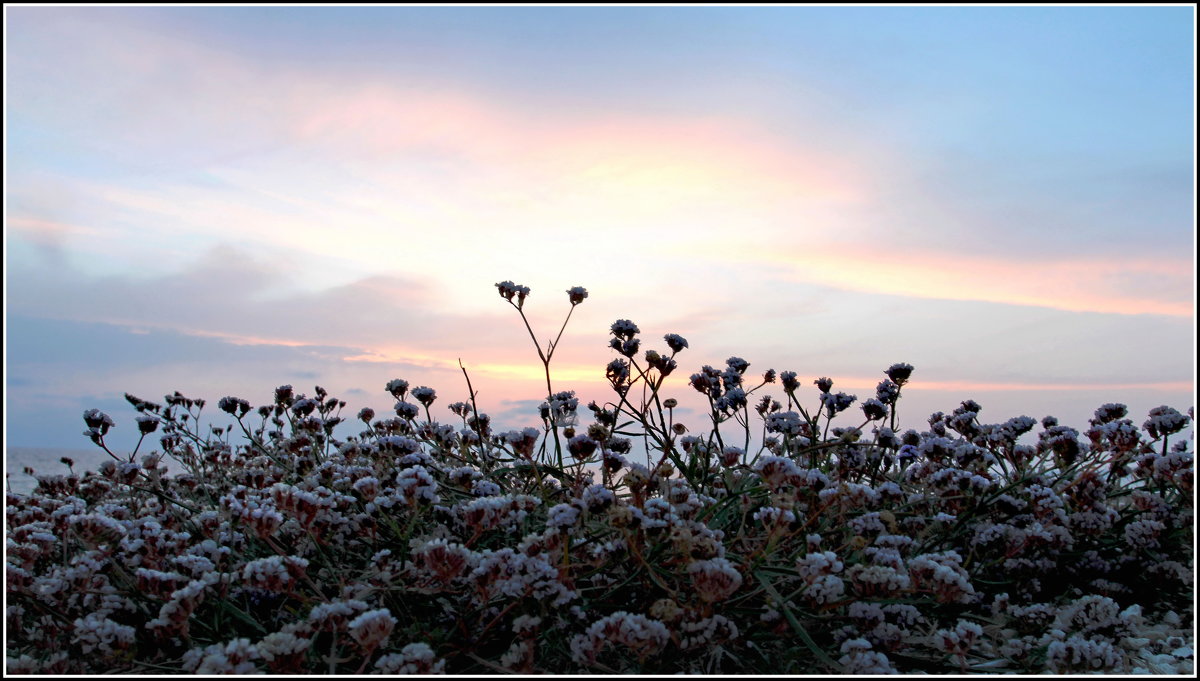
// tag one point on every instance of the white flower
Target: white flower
(96, 633)
(562, 516)
(818, 563)
(416, 484)
(641, 635)
(715, 579)
(414, 658)
(282, 644)
(372, 628)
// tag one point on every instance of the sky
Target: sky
(221, 200)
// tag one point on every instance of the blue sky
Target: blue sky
(220, 200)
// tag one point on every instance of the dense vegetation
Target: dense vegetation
(299, 541)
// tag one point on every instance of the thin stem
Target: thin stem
(554, 345)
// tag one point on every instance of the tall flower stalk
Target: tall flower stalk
(576, 295)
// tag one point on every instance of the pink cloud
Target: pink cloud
(49, 232)
(970, 386)
(1086, 284)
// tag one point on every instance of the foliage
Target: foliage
(417, 546)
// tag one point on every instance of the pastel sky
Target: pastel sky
(220, 200)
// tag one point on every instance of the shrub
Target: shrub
(417, 546)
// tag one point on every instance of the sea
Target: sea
(47, 461)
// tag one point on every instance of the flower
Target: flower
(715, 579)
(397, 387)
(576, 294)
(98, 420)
(563, 516)
(414, 658)
(372, 628)
(147, 424)
(424, 395)
(899, 373)
(407, 410)
(581, 446)
(737, 364)
(731, 455)
(233, 657)
(508, 290)
(623, 328)
(874, 409)
(641, 635)
(887, 391)
(96, 633)
(835, 403)
(416, 484)
(234, 406)
(1034, 561)
(1164, 421)
(676, 342)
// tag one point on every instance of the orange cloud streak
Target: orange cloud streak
(868, 383)
(1081, 285)
(566, 374)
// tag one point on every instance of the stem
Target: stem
(137, 447)
(560, 333)
(475, 410)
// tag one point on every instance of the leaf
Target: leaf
(796, 626)
(241, 615)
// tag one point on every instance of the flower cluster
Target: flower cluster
(411, 546)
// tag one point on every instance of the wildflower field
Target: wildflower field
(613, 539)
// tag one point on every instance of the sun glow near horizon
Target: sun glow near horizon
(342, 209)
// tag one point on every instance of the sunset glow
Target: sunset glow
(221, 200)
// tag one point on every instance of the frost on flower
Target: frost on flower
(1089, 614)
(960, 639)
(623, 328)
(786, 423)
(440, 561)
(508, 289)
(777, 471)
(639, 634)
(416, 484)
(1143, 534)
(275, 573)
(825, 589)
(943, 574)
(506, 573)
(1163, 421)
(336, 613)
(577, 294)
(100, 635)
(877, 580)
(424, 394)
(414, 658)
(372, 628)
(858, 658)
(487, 513)
(1078, 654)
(715, 579)
(282, 644)
(675, 342)
(818, 563)
(772, 516)
(235, 657)
(706, 632)
(598, 498)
